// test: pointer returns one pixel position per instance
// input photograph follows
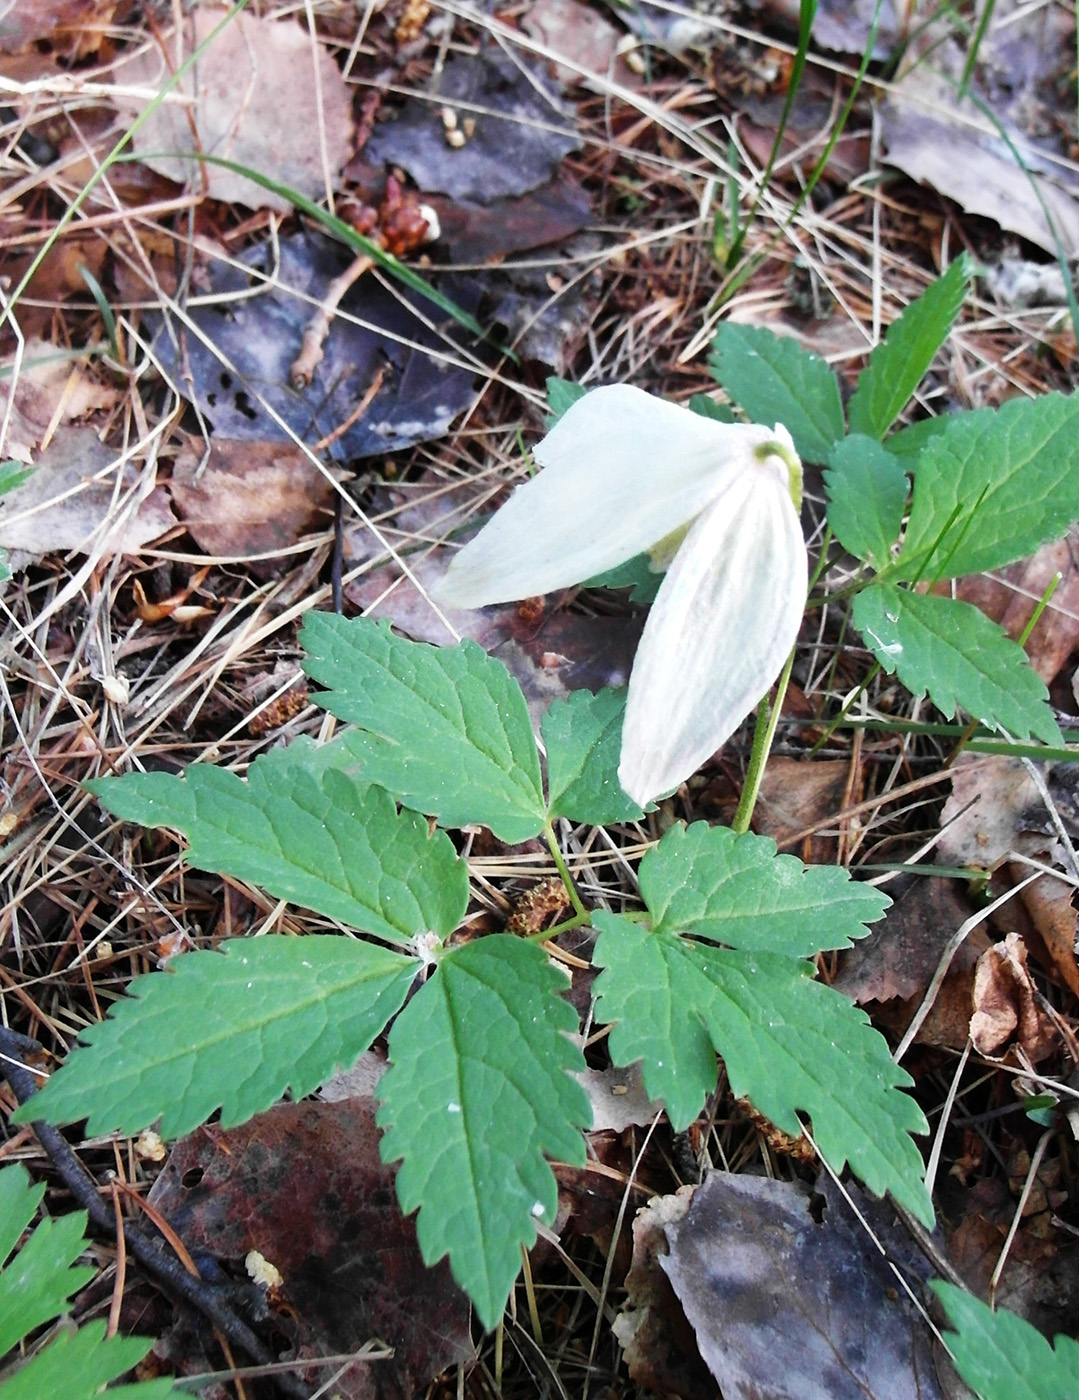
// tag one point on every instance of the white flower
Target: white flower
(622, 473)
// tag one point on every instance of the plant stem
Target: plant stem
(763, 733)
(563, 870)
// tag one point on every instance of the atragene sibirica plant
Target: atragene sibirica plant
(716, 504)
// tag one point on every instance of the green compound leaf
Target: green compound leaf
(636, 574)
(709, 882)
(709, 408)
(789, 1045)
(230, 1030)
(867, 491)
(1002, 1356)
(907, 443)
(445, 729)
(897, 364)
(954, 652)
(75, 1366)
(309, 833)
(993, 486)
(478, 1090)
(775, 381)
(562, 394)
(36, 1284)
(34, 1289)
(583, 735)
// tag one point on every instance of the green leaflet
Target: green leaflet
(636, 574)
(36, 1284)
(583, 737)
(954, 652)
(561, 395)
(773, 380)
(732, 889)
(232, 1029)
(990, 487)
(446, 730)
(710, 408)
(35, 1287)
(867, 491)
(477, 1092)
(309, 833)
(1002, 1356)
(907, 443)
(789, 1044)
(74, 1366)
(897, 364)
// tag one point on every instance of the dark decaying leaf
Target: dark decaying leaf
(260, 336)
(531, 123)
(303, 1186)
(786, 1305)
(472, 233)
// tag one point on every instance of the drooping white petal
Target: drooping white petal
(721, 627)
(620, 471)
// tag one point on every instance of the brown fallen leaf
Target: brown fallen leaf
(993, 809)
(952, 146)
(79, 25)
(1041, 1280)
(1005, 1004)
(303, 1185)
(589, 41)
(794, 795)
(249, 498)
(43, 389)
(788, 1304)
(264, 94)
(996, 809)
(72, 501)
(1048, 904)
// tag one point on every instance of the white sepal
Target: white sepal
(723, 623)
(622, 470)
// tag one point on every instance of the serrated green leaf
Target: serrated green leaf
(774, 380)
(993, 486)
(708, 407)
(789, 1044)
(636, 574)
(36, 1284)
(867, 490)
(232, 1029)
(1001, 1356)
(478, 1090)
(898, 363)
(953, 651)
(445, 729)
(906, 444)
(76, 1365)
(35, 1287)
(712, 883)
(562, 394)
(583, 737)
(309, 833)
